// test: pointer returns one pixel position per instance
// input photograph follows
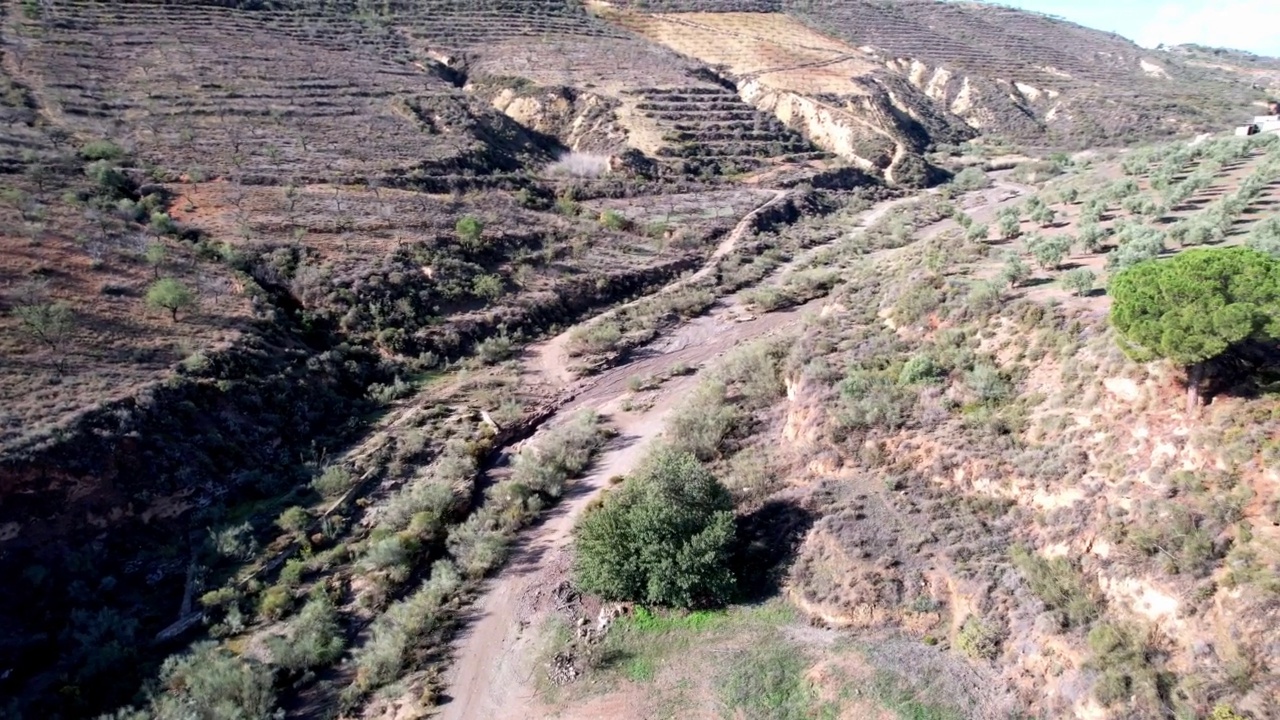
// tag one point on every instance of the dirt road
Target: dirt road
(492, 675)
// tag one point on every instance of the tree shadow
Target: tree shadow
(767, 541)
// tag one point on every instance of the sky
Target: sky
(1252, 25)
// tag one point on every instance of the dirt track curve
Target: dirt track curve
(492, 673)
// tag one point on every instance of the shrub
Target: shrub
(495, 349)
(1049, 252)
(235, 542)
(1059, 585)
(873, 398)
(334, 481)
(275, 602)
(920, 369)
(404, 627)
(314, 637)
(101, 150)
(701, 423)
(564, 453)
(1010, 227)
(212, 684)
(1123, 655)
(487, 287)
(478, 545)
(469, 230)
(1079, 281)
(978, 640)
(614, 220)
(988, 384)
(596, 338)
(662, 538)
(1091, 237)
(293, 520)
(971, 178)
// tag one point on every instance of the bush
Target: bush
(595, 338)
(334, 481)
(701, 424)
(314, 637)
(101, 150)
(1015, 271)
(275, 602)
(978, 640)
(564, 453)
(1059, 585)
(210, 683)
(293, 520)
(988, 384)
(614, 220)
(469, 230)
(404, 627)
(495, 349)
(971, 178)
(662, 538)
(1123, 655)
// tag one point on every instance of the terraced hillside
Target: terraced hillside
(282, 281)
(1009, 72)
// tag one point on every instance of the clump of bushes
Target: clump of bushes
(313, 639)
(1059, 585)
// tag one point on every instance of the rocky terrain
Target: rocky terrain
(309, 311)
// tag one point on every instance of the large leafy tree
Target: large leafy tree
(661, 538)
(1195, 307)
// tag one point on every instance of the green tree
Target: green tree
(1079, 281)
(469, 230)
(1010, 227)
(155, 255)
(1015, 270)
(1195, 307)
(662, 538)
(49, 323)
(169, 294)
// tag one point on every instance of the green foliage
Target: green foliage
(1265, 237)
(978, 640)
(1049, 251)
(920, 369)
(988, 384)
(469, 231)
(161, 224)
(970, 179)
(564, 453)
(405, 628)
(495, 349)
(487, 287)
(293, 520)
(1079, 281)
(661, 538)
(48, 323)
(614, 220)
(275, 602)
(703, 421)
(101, 150)
(210, 683)
(1059, 585)
(1044, 216)
(314, 638)
(1015, 270)
(768, 682)
(1196, 305)
(169, 294)
(334, 481)
(1126, 659)
(1010, 227)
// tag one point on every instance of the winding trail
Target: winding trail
(492, 673)
(551, 358)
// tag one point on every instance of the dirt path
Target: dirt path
(493, 672)
(551, 358)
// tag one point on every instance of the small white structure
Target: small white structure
(1267, 123)
(1246, 130)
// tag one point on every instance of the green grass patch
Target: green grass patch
(895, 694)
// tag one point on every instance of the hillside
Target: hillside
(311, 311)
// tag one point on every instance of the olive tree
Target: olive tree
(1196, 307)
